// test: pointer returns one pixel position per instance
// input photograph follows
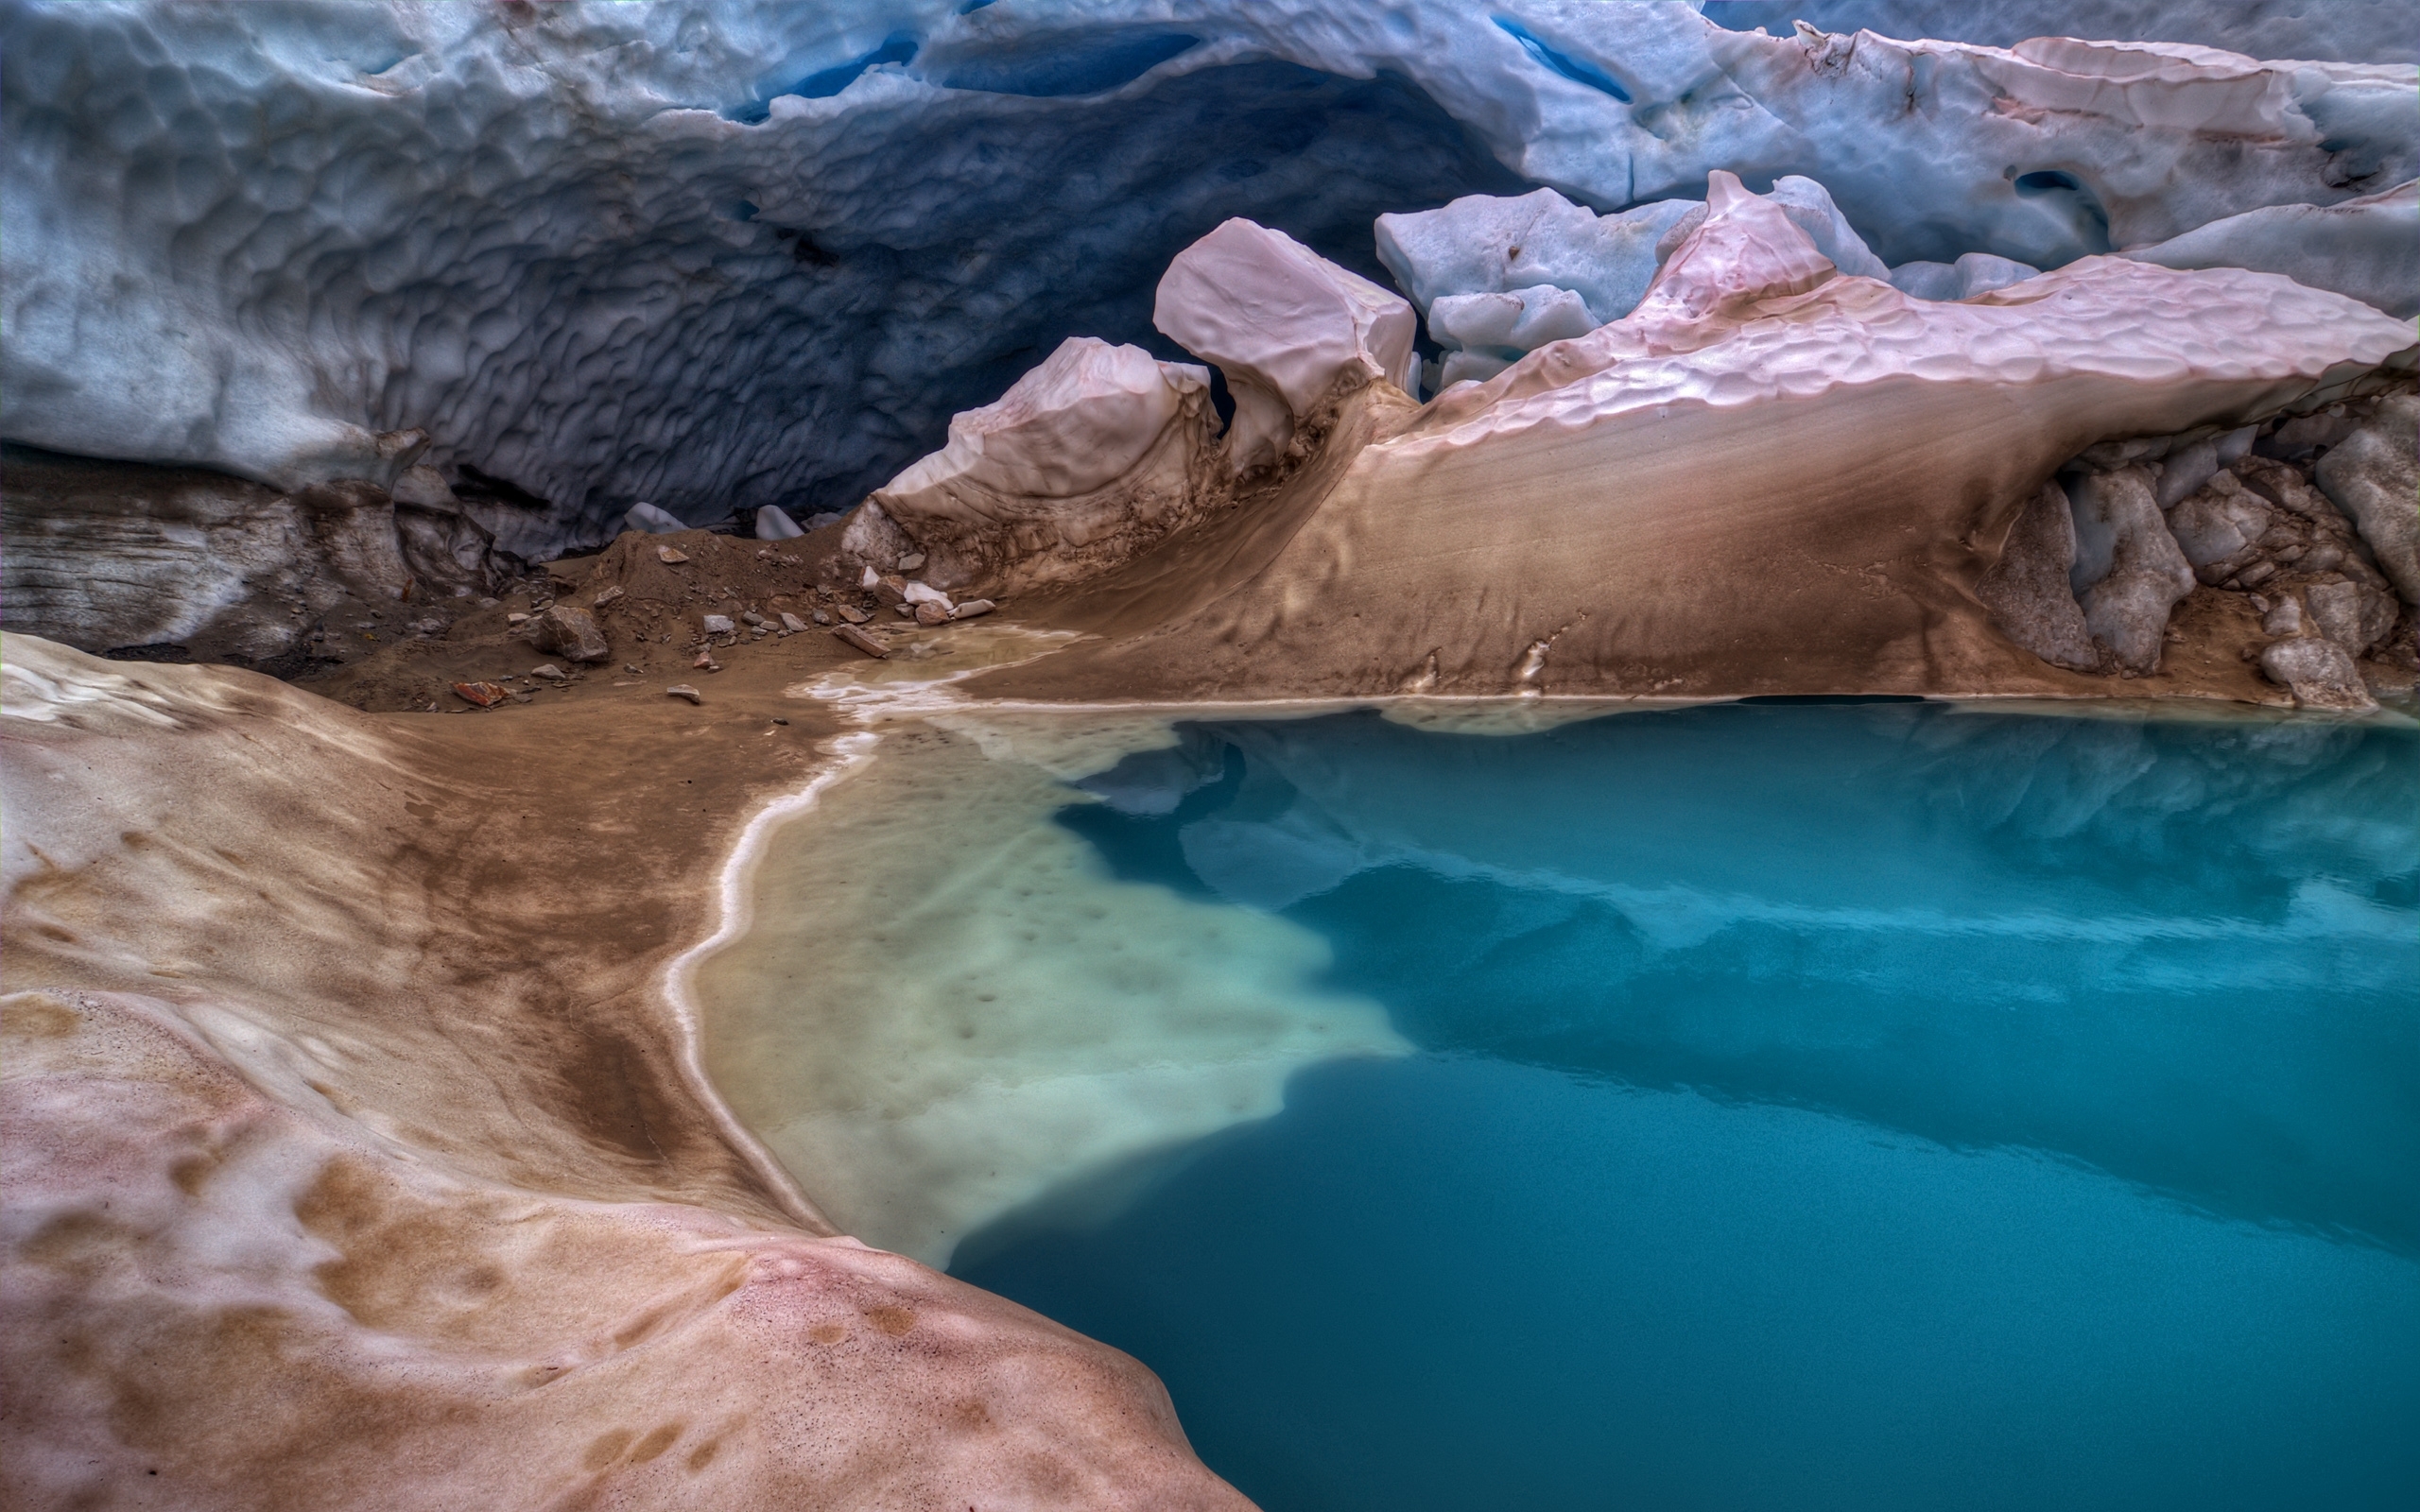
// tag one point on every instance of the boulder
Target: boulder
(2373, 476)
(2354, 615)
(2130, 574)
(571, 632)
(2319, 673)
(2028, 592)
(1285, 325)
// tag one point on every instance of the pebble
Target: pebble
(930, 614)
(749, 616)
(548, 671)
(516, 617)
(853, 614)
(706, 662)
(481, 694)
(718, 625)
(792, 622)
(671, 554)
(911, 561)
(681, 690)
(821, 618)
(606, 597)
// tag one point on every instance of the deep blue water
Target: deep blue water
(1843, 1106)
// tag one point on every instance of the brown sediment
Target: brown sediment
(353, 1154)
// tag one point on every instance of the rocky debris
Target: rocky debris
(571, 632)
(2129, 574)
(972, 607)
(681, 690)
(851, 613)
(2319, 673)
(793, 623)
(2282, 620)
(717, 624)
(448, 548)
(482, 694)
(610, 593)
(656, 521)
(671, 556)
(930, 614)
(548, 672)
(2373, 476)
(774, 522)
(850, 635)
(2027, 590)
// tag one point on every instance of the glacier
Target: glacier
(720, 256)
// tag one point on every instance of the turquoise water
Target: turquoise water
(1842, 1106)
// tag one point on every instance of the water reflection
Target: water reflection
(2181, 952)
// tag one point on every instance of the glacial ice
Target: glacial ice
(725, 255)
(1283, 324)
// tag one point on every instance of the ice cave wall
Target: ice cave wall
(723, 255)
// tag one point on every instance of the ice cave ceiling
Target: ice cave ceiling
(716, 255)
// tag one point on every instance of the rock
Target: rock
(1087, 458)
(481, 694)
(717, 624)
(572, 633)
(1284, 325)
(930, 614)
(2319, 671)
(443, 545)
(2028, 591)
(610, 593)
(792, 623)
(516, 617)
(656, 521)
(774, 523)
(2373, 476)
(867, 576)
(974, 607)
(681, 690)
(750, 617)
(2354, 615)
(890, 591)
(850, 635)
(671, 556)
(821, 618)
(548, 671)
(2219, 528)
(706, 662)
(2283, 620)
(905, 611)
(851, 613)
(2128, 571)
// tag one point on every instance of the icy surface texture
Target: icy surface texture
(1484, 244)
(2353, 31)
(2367, 248)
(1088, 456)
(1283, 325)
(724, 255)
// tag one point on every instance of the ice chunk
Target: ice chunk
(1484, 243)
(1283, 324)
(1809, 206)
(1513, 323)
(646, 517)
(774, 522)
(1085, 458)
(1747, 249)
(1972, 274)
(2368, 249)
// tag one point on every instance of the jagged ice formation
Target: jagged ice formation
(723, 256)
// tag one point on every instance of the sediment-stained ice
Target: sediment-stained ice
(719, 255)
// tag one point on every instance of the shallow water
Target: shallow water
(1868, 1106)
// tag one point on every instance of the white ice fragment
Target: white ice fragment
(1520, 321)
(646, 517)
(1283, 324)
(1488, 244)
(774, 523)
(1809, 206)
(926, 593)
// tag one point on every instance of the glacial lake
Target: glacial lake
(1755, 1105)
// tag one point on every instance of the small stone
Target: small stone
(606, 597)
(718, 625)
(629, 666)
(905, 611)
(853, 614)
(869, 577)
(481, 694)
(548, 671)
(792, 622)
(821, 618)
(749, 616)
(853, 636)
(516, 617)
(570, 633)
(974, 607)
(681, 690)
(911, 561)
(2320, 673)
(706, 662)
(930, 615)
(484, 603)
(671, 556)
(779, 720)
(2284, 621)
